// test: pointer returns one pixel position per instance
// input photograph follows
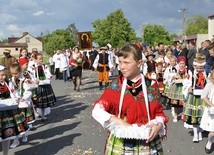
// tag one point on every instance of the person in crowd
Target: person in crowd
(21, 91)
(161, 59)
(131, 101)
(151, 64)
(65, 66)
(32, 61)
(77, 61)
(193, 88)
(8, 60)
(191, 55)
(57, 63)
(168, 55)
(23, 53)
(102, 64)
(168, 75)
(176, 89)
(205, 51)
(210, 60)
(174, 49)
(51, 64)
(44, 93)
(182, 51)
(12, 123)
(92, 55)
(207, 121)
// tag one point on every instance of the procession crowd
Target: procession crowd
(139, 82)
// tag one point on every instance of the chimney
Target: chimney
(25, 33)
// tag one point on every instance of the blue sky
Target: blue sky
(36, 16)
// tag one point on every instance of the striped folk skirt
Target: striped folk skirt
(193, 109)
(45, 96)
(12, 123)
(176, 95)
(119, 146)
(29, 114)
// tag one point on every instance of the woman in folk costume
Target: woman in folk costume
(77, 61)
(175, 94)
(45, 94)
(207, 121)
(103, 65)
(130, 109)
(12, 122)
(193, 88)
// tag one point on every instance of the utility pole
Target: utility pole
(183, 11)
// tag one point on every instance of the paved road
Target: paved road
(70, 129)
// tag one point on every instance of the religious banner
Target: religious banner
(85, 40)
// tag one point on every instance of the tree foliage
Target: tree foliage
(197, 24)
(59, 39)
(115, 29)
(153, 34)
(73, 33)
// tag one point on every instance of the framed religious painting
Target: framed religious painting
(85, 40)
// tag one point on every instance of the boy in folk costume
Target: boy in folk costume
(129, 108)
(175, 94)
(21, 91)
(102, 64)
(193, 88)
(12, 122)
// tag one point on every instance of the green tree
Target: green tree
(172, 36)
(115, 29)
(73, 33)
(59, 39)
(153, 34)
(197, 24)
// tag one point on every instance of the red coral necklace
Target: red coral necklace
(134, 85)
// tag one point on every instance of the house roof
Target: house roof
(189, 37)
(211, 16)
(14, 39)
(14, 45)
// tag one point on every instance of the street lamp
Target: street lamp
(183, 11)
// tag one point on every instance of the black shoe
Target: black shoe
(208, 151)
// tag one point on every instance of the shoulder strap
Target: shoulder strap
(144, 89)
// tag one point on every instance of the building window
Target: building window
(27, 39)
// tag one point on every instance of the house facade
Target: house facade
(211, 27)
(16, 43)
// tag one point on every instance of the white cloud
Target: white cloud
(6, 18)
(13, 28)
(39, 13)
